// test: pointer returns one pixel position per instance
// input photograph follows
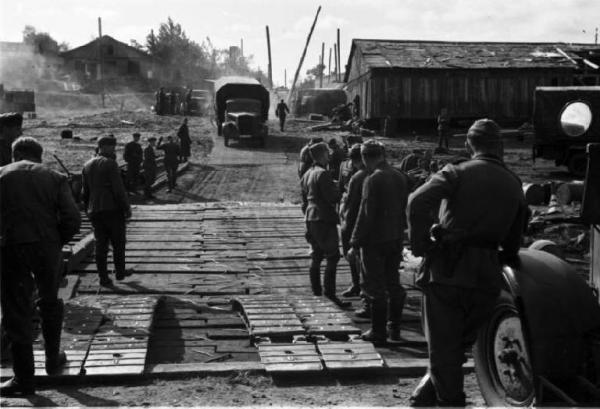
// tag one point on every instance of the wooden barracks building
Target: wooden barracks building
(412, 80)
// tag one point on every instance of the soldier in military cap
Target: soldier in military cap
(37, 217)
(171, 160)
(482, 209)
(10, 129)
(133, 155)
(379, 233)
(107, 206)
(320, 196)
(306, 160)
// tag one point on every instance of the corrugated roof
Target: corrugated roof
(465, 55)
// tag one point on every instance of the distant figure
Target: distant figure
(171, 160)
(281, 112)
(161, 101)
(37, 217)
(133, 156)
(306, 160)
(149, 167)
(443, 128)
(336, 158)
(184, 141)
(107, 206)
(173, 102)
(10, 129)
(188, 101)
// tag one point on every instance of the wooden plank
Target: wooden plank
(289, 358)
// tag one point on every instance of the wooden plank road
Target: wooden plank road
(188, 262)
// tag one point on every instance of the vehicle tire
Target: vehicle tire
(577, 164)
(501, 357)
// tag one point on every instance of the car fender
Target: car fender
(557, 309)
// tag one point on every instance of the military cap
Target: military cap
(152, 138)
(314, 140)
(352, 139)
(11, 119)
(372, 148)
(136, 134)
(107, 141)
(318, 148)
(332, 143)
(354, 151)
(484, 130)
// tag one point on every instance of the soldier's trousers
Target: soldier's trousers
(453, 316)
(109, 227)
(380, 264)
(149, 178)
(25, 268)
(324, 242)
(355, 268)
(171, 169)
(281, 122)
(133, 175)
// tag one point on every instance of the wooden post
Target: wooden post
(335, 71)
(101, 60)
(270, 67)
(329, 65)
(302, 57)
(339, 61)
(322, 67)
(242, 46)
(285, 78)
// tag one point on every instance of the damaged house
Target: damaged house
(410, 81)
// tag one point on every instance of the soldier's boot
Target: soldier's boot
(329, 281)
(52, 313)
(424, 394)
(395, 308)
(22, 383)
(365, 309)
(315, 274)
(354, 289)
(377, 333)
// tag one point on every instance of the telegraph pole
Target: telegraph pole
(322, 67)
(339, 61)
(329, 65)
(270, 67)
(101, 58)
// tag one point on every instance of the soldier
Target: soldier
(281, 112)
(38, 216)
(133, 156)
(336, 159)
(184, 141)
(349, 205)
(10, 129)
(171, 160)
(188, 101)
(149, 167)
(306, 160)
(481, 208)
(108, 208)
(319, 198)
(443, 128)
(379, 233)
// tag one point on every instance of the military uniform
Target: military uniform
(481, 202)
(281, 112)
(38, 215)
(319, 198)
(171, 161)
(149, 169)
(185, 142)
(133, 155)
(379, 232)
(107, 205)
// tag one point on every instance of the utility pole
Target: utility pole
(242, 46)
(329, 65)
(285, 78)
(339, 61)
(322, 65)
(270, 67)
(101, 60)
(596, 37)
(303, 55)
(335, 70)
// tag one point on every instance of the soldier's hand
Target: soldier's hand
(351, 255)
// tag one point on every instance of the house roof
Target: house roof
(467, 55)
(105, 39)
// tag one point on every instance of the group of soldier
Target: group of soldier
(172, 103)
(465, 220)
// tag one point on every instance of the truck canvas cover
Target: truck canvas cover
(548, 105)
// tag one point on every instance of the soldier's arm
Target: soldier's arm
(69, 218)
(117, 186)
(424, 204)
(364, 217)
(353, 201)
(328, 189)
(304, 195)
(85, 189)
(512, 242)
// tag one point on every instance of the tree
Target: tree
(42, 43)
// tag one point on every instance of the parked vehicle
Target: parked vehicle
(558, 135)
(542, 344)
(199, 103)
(242, 109)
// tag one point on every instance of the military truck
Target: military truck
(562, 119)
(542, 343)
(17, 101)
(242, 109)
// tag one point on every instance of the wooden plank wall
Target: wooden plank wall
(503, 94)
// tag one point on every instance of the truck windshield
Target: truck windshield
(243, 105)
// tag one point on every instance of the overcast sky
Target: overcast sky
(227, 21)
